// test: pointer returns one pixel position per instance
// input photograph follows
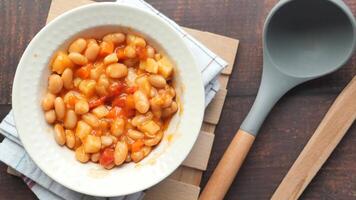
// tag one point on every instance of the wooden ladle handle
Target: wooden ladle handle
(228, 167)
(329, 133)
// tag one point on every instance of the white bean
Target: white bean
(157, 81)
(55, 84)
(81, 155)
(116, 38)
(106, 140)
(91, 119)
(67, 78)
(92, 51)
(50, 116)
(48, 101)
(120, 152)
(116, 70)
(60, 108)
(70, 120)
(70, 138)
(133, 134)
(78, 58)
(59, 134)
(141, 102)
(78, 45)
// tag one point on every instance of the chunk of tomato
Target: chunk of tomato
(141, 52)
(119, 101)
(114, 112)
(116, 88)
(97, 102)
(107, 157)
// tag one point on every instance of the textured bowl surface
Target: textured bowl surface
(31, 81)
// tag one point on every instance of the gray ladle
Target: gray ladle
(303, 40)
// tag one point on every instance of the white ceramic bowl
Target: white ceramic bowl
(37, 136)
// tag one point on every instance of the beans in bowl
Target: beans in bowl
(110, 100)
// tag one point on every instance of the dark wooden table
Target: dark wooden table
(286, 130)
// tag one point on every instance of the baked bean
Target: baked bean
(111, 58)
(167, 112)
(153, 92)
(82, 130)
(67, 78)
(120, 152)
(131, 77)
(100, 111)
(59, 135)
(130, 38)
(116, 38)
(92, 52)
(48, 101)
(92, 144)
(81, 155)
(154, 141)
(91, 41)
(81, 107)
(128, 140)
(91, 119)
(137, 156)
(60, 108)
(166, 100)
(102, 85)
(140, 119)
(55, 84)
(99, 69)
(150, 128)
(117, 127)
(140, 42)
(150, 52)
(70, 120)
(101, 91)
(155, 103)
(78, 45)
(116, 70)
(171, 92)
(78, 58)
(146, 150)
(142, 104)
(103, 81)
(106, 140)
(130, 51)
(133, 134)
(50, 116)
(157, 81)
(77, 81)
(70, 138)
(95, 157)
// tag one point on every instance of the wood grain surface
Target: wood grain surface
(285, 132)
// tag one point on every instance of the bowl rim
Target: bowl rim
(17, 110)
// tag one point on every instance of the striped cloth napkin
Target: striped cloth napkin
(13, 154)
